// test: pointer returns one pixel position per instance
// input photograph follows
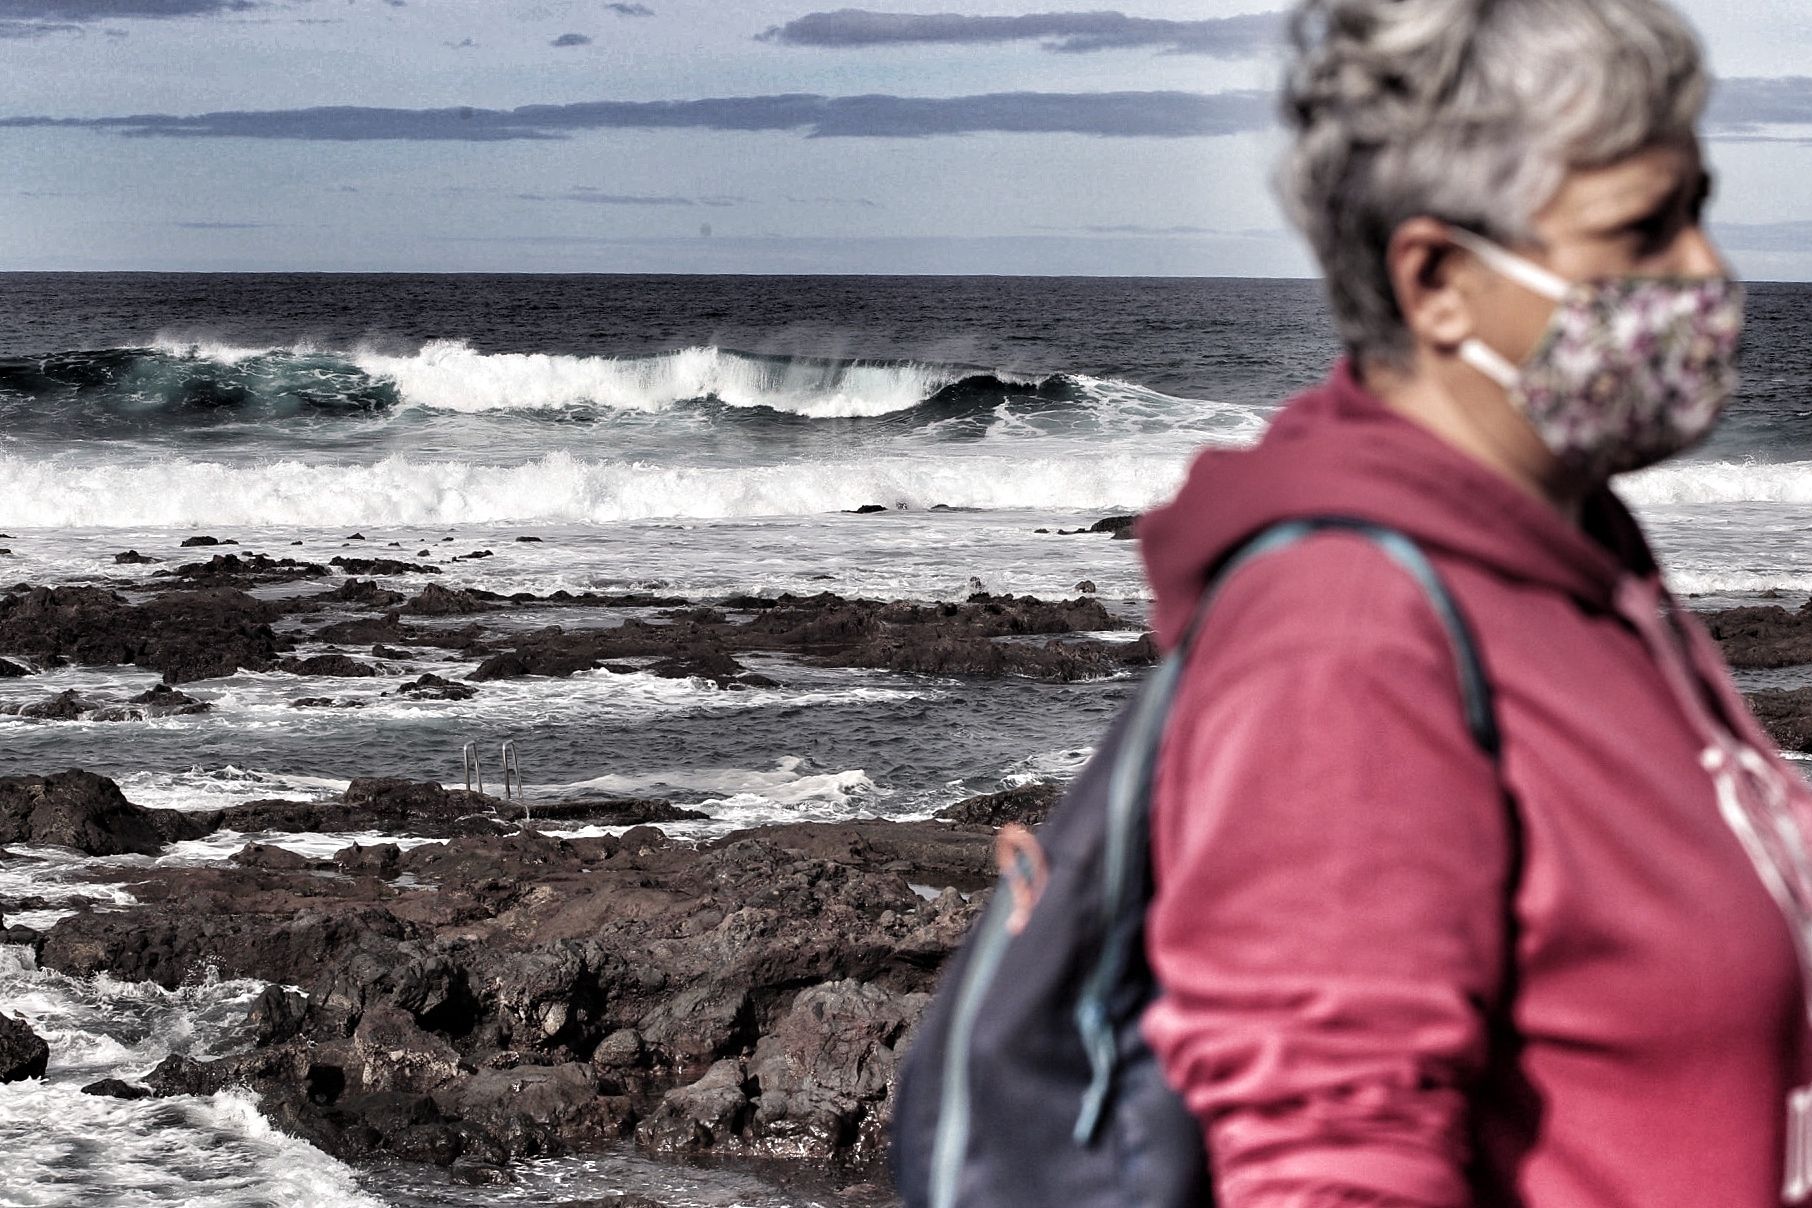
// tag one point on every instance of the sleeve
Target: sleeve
(1331, 857)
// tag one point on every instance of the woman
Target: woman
(1395, 971)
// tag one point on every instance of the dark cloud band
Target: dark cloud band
(1070, 33)
(1744, 103)
(1106, 114)
(102, 10)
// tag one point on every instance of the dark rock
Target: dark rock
(337, 666)
(382, 566)
(710, 1112)
(23, 1053)
(1763, 636)
(192, 542)
(356, 537)
(264, 855)
(1027, 805)
(867, 509)
(9, 670)
(534, 539)
(1087, 587)
(433, 687)
(64, 706)
(381, 860)
(715, 665)
(824, 1074)
(326, 702)
(276, 1015)
(165, 697)
(115, 1088)
(1787, 716)
(87, 812)
(438, 601)
(395, 806)
(132, 557)
(516, 995)
(364, 591)
(231, 569)
(1122, 527)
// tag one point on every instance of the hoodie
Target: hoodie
(1396, 973)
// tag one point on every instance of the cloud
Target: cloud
(598, 197)
(1763, 236)
(1067, 33)
(630, 10)
(1104, 114)
(571, 40)
(1740, 104)
(18, 30)
(100, 10)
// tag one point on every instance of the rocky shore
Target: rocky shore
(490, 992)
(483, 991)
(508, 994)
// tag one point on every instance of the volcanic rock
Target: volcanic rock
(231, 569)
(1763, 636)
(433, 687)
(521, 995)
(1787, 716)
(9, 670)
(336, 665)
(382, 566)
(116, 1088)
(23, 1053)
(438, 601)
(132, 557)
(1027, 805)
(89, 813)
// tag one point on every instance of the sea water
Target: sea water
(688, 436)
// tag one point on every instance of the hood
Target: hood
(1339, 451)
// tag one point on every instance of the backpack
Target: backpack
(1029, 1083)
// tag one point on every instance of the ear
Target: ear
(1428, 274)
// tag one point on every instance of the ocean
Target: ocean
(686, 436)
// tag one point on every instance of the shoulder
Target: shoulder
(1330, 597)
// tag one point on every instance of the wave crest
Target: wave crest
(558, 488)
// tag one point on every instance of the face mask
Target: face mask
(1630, 371)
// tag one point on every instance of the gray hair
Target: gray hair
(1471, 111)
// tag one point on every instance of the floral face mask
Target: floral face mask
(1631, 370)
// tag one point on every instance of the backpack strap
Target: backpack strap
(1126, 856)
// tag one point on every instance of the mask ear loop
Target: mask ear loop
(1526, 273)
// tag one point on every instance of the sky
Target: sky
(735, 136)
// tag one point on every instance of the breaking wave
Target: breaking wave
(135, 389)
(1701, 482)
(558, 488)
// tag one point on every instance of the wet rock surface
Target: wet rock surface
(1760, 637)
(23, 1053)
(86, 812)
(511, 994)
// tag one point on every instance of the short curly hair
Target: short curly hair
(1471, 111)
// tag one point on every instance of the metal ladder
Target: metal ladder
(512, 773)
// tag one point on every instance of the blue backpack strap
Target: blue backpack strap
(1125, 858)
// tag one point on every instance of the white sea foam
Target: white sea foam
(559, 488)
(450, 375)
(1710, 482)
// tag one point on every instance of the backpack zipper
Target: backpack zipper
(951, 1141)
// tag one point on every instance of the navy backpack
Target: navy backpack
(1029, 1084)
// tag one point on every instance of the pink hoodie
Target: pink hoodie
(1364, 1001)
